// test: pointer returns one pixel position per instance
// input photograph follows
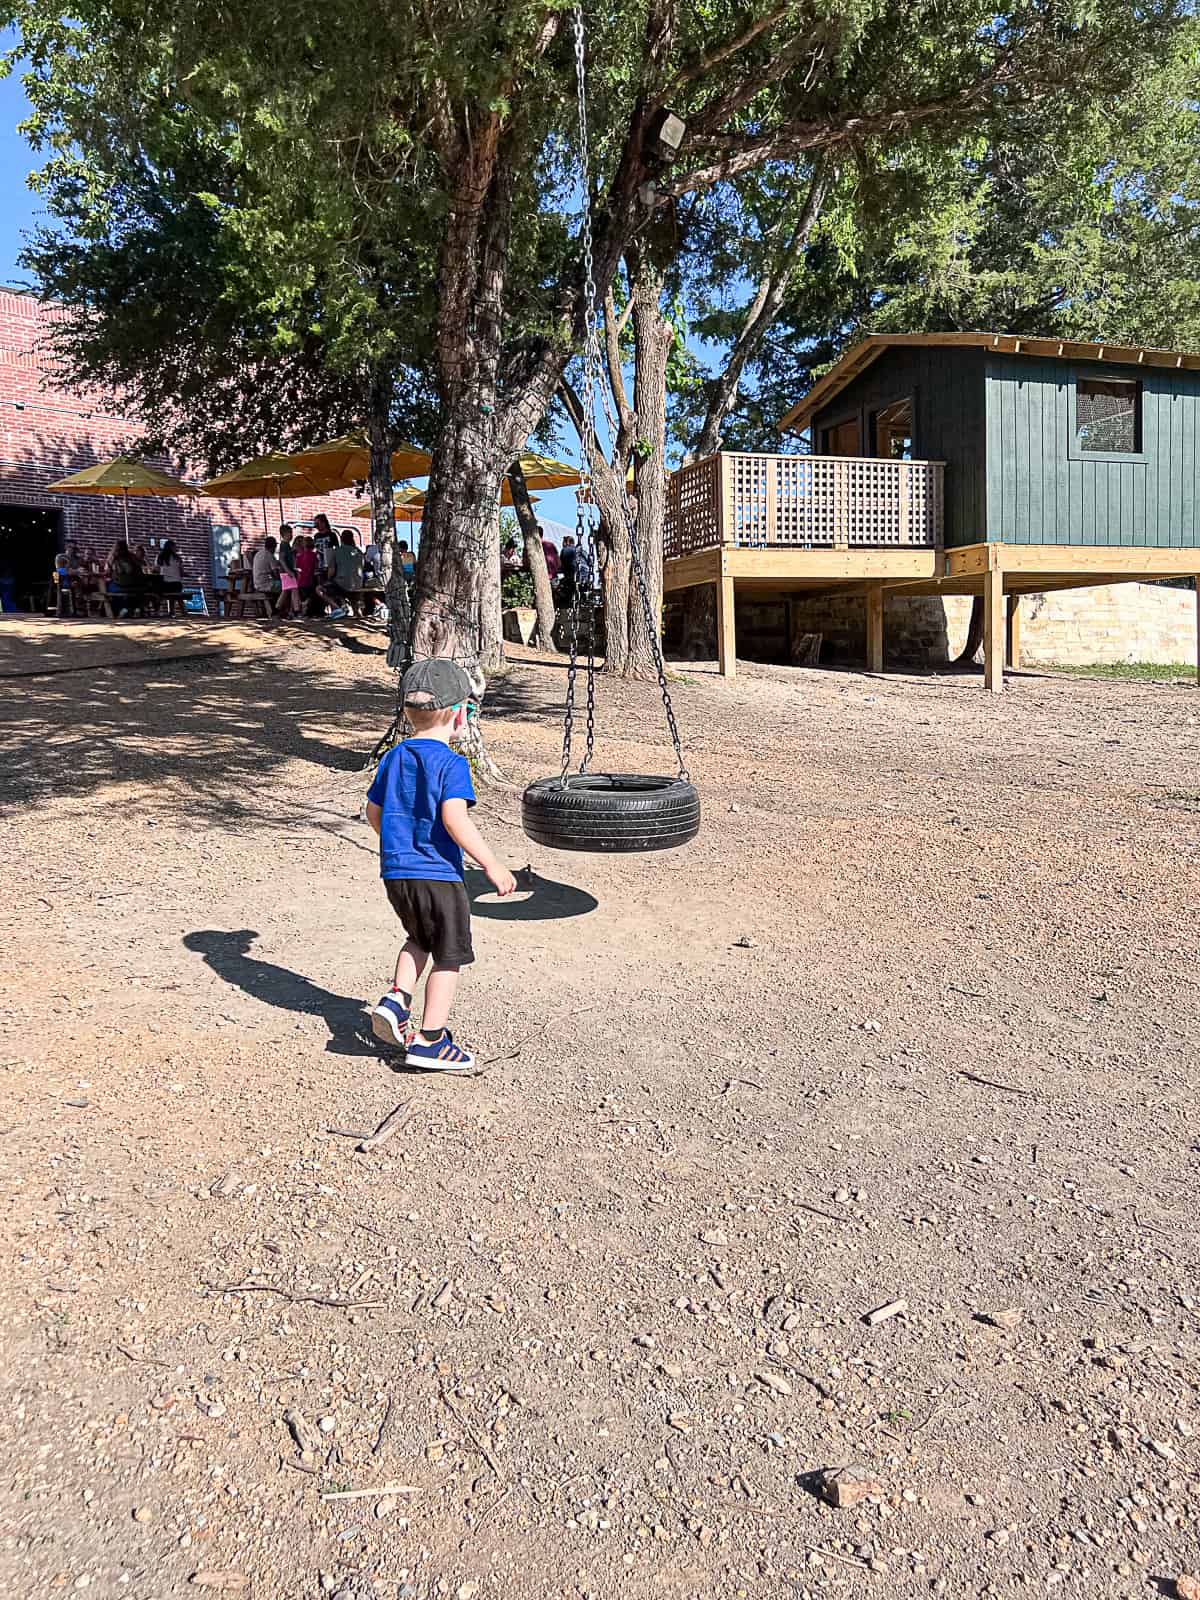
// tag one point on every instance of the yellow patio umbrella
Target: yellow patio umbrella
(543, 472)
(348, 460)
(124, 476)
(410, 503)
(270, 474)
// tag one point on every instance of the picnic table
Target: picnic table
(360, 597)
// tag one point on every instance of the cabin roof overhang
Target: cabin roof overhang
(859, 358)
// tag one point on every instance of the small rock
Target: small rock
(713, 1236)
(774, 1382)
(841, 1196)
(142, 1514)
(1161, 1448)
(214, 1409)
(671, 1369)
(442, 1298)
(1187, 1587)
(385, 1507)
(224, 1579)
(466, 1590)
(1001, 1319)
(645, 1340)
(894, 1308)
(847, 1486)
(327, 1424)
(224, 1187)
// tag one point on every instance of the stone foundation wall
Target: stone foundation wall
(1075, 627)
(1119, 622)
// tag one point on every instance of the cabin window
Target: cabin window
(841, 439)
(1108, 416)
(893, 427)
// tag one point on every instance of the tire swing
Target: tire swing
(613, 812)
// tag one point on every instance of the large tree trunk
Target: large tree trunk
(974, 641)
(698, 633)
(380, 394)
(535, 559)
(653, 339)
(491, 632)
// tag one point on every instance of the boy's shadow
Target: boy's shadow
(228, 956)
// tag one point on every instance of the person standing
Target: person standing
(419, 806)
(550, 551)
(289, 582)
(306, 573)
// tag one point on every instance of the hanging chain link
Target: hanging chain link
(589, 443)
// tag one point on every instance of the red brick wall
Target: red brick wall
(47, 433)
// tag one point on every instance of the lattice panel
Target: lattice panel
(693, 508)
(805, 501)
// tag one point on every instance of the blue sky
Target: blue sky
(20, 210)
(18, 207)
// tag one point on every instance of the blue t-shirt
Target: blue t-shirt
(412, 781)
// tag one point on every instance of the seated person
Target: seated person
(511, 559)
(408, 564)
(343, 574)
(170, 568)
(125, 576)
(265, 569)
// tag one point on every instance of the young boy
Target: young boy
(418, 807)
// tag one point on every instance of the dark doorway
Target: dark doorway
(30, 538)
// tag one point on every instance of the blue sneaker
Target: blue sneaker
(389, 1019)
(440, 1054)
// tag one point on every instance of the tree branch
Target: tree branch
(796, 139)
(764, 307)
(731, 47)
(613, 326)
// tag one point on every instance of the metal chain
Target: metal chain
(573, 630)
(588, 441)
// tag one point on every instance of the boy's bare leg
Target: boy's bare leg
(410, 964)
(439, 997)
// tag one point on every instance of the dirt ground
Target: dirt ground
(915, 1019)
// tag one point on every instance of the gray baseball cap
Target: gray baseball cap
(435, 684)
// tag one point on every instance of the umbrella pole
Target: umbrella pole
(125, 509)
(279, 494)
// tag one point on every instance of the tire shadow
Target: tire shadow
(537, 899)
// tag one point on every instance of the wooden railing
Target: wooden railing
(818, 502)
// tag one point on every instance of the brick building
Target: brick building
(47, 433)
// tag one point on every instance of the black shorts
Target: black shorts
(436, 915)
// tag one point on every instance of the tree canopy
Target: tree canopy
(383, 189)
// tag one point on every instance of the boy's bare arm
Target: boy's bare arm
(457, 822)
(374, 815)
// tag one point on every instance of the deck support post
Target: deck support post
(1197, 581)
(726, 629)
(993, 623)
(875, 627)
(1012, 637)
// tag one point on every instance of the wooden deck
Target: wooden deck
(803, 503)
(788, 524)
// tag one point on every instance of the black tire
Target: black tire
(611, 811)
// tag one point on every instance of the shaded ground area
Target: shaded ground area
(914, 1019)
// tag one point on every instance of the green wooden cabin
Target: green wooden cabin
(1044, 441)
